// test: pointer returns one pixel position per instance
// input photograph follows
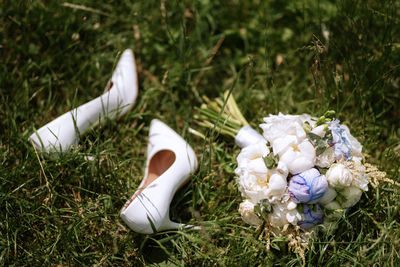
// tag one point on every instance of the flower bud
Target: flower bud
(339, 176)
(311, 216)
(308, 186)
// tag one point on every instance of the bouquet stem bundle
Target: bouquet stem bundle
(221, 114)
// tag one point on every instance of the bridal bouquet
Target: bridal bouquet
(301, 172)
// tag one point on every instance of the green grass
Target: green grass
(55, 57)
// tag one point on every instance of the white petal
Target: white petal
(319, 130)
(281, 144)
(329, 195)
(333, 205)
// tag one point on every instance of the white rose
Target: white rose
(281, 215)
(352, 195)
(326, 159)
(298, 157)
(329, 196)
(339, 176)
(246, 210)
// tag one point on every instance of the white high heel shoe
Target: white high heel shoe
(170, 161)
(63, 132)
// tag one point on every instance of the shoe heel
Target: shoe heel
(169, 225)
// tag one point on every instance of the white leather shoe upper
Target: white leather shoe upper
(152, 203)
(63, 132)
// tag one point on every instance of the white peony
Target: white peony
(351, 196)
(339, 176)
(255, 180)
(289, 140)
(282, 215)
(298, 157)
(250, 152)
(246, 210)
(276, 126)
(326, 159)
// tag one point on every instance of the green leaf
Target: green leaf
(328, 136)
(318, 142)
(151, 224)
(266, 206)
(322, 170)
(271, 161)
(341, 198)
(300, 208)
(330, 114)
(257, 211)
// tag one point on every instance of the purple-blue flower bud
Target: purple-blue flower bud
(308, 186)
(311, 217)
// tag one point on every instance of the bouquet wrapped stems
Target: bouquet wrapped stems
(224, 116)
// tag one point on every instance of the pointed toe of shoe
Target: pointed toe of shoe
(56, 136)
(124, 78)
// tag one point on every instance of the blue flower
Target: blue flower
(340, 141)
(308, 186)
(312, 216)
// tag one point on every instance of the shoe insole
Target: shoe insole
(159, 163)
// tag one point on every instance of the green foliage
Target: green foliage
(297, 57)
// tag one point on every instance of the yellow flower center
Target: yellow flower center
(263, 183)
(295, 148)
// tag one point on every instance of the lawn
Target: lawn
(277, 56)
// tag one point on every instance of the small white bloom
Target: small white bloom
(339, 176)
(352, 195)
(276, 186)
(329, 196)
(282, 169)
(320, 130)
(291, 205)
(298, 157)
(246, 210)
(360, 179)
(326, 159)
(281, 215)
